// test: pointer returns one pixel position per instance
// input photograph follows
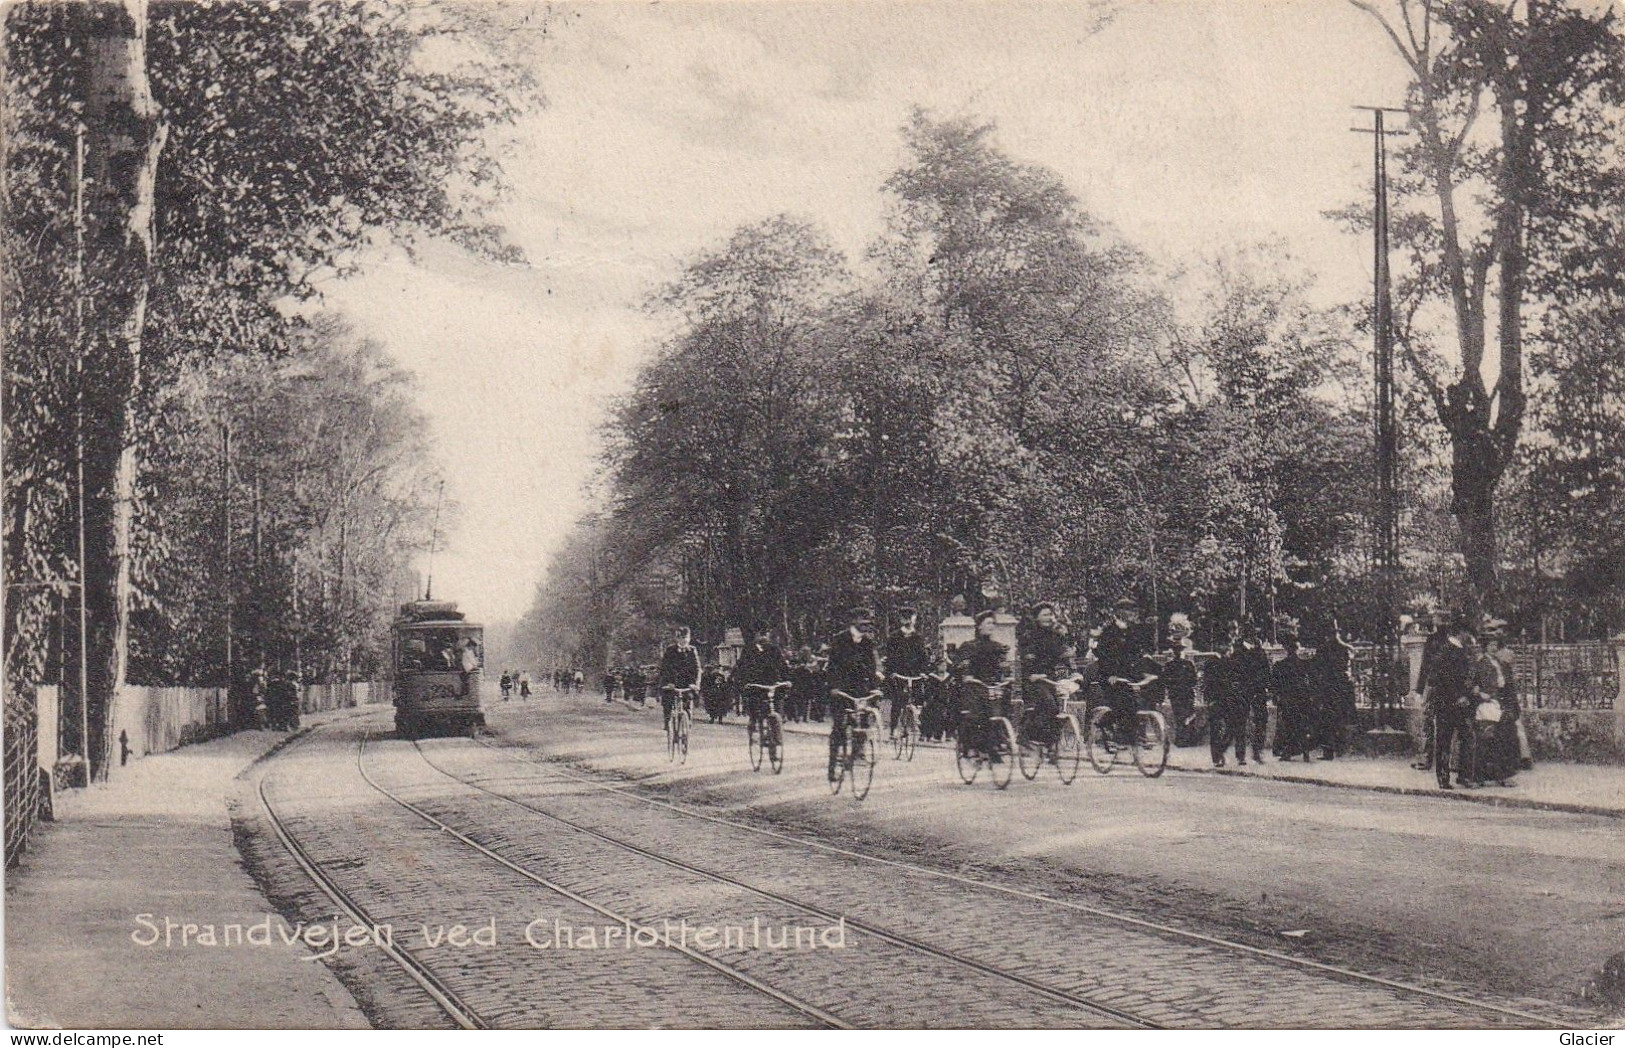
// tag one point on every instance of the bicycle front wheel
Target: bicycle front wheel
(1000, 767)
(1068, 749)
(773, 743)
(864, 753)
(1030, 754)
(841, 763)
(1097, 743)
(911, 731)
(684, 720)
(753, 739)
(1151, 749)
(671, 738)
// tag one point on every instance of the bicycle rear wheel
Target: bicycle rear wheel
(1068, 749)
(864, 753)
(1005, 742)
(1097, 743)
(753, 739)
(1151, 749)
(968, 765)
(773, 743)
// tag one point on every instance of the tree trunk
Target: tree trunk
(1474, 508)
(123, 142)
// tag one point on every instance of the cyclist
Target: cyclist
(761, 663)
(524, 686)
(984, 658)
(905, 657)
(1125, 666)
(679, 669)
(1045, 652)
(507, 685)
(852, 665)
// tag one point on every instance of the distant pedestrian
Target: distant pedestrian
(1226, 703)
(1333, 660)
(506, 685)
(1496, 689)
(1250, 676)
(1293, 685)
(1431, 647)
(524, 686)
(1450, 683)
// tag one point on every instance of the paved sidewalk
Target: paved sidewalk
(1597, 789)
(156, 840)
(1593, 789)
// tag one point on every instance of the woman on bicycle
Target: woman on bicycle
(984, 659)
(1045, 652)
(760, 663)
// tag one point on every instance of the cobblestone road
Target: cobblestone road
(776, 925)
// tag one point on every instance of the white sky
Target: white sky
(1190, 125)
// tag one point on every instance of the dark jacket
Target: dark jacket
(1450, 678)
(764, 665)
(1124, 652)
(680, 667)
(906, 654)
(1249, 672)
(1044, 651)
(852, 664)
(982, 658)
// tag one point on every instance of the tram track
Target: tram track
(446, 999)
(896, 939)
(811, 1011)
(1502, 1012)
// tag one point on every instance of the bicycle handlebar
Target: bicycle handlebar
(911, 680)
(873, 696)
(770, 687)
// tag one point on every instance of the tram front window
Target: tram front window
(432, 651)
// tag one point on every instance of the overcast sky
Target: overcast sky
(1189, 125)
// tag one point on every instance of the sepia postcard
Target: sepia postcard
(819, 514)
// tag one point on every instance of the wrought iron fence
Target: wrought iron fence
(22, 779)
(1567, 676)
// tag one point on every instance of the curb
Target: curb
(1467, 796)
(1471, 797)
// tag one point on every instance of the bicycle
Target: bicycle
(767, 737)
(968, 755)
(907, 736)
(856, 756)
(1065, 751)
(678, 725)
(1148, 748)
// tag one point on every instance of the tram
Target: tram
(437, 659)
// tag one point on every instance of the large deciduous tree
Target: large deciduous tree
(1507, 102)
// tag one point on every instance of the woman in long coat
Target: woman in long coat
(1337, 710)
(1498, 755)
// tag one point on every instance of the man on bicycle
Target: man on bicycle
(905, 657)
(761, 663)
(852, 669)
(981, 657)
(1125, 666)
(1045, 652)
(679, 669)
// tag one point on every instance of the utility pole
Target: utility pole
(1385, 532)
(79, 431)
